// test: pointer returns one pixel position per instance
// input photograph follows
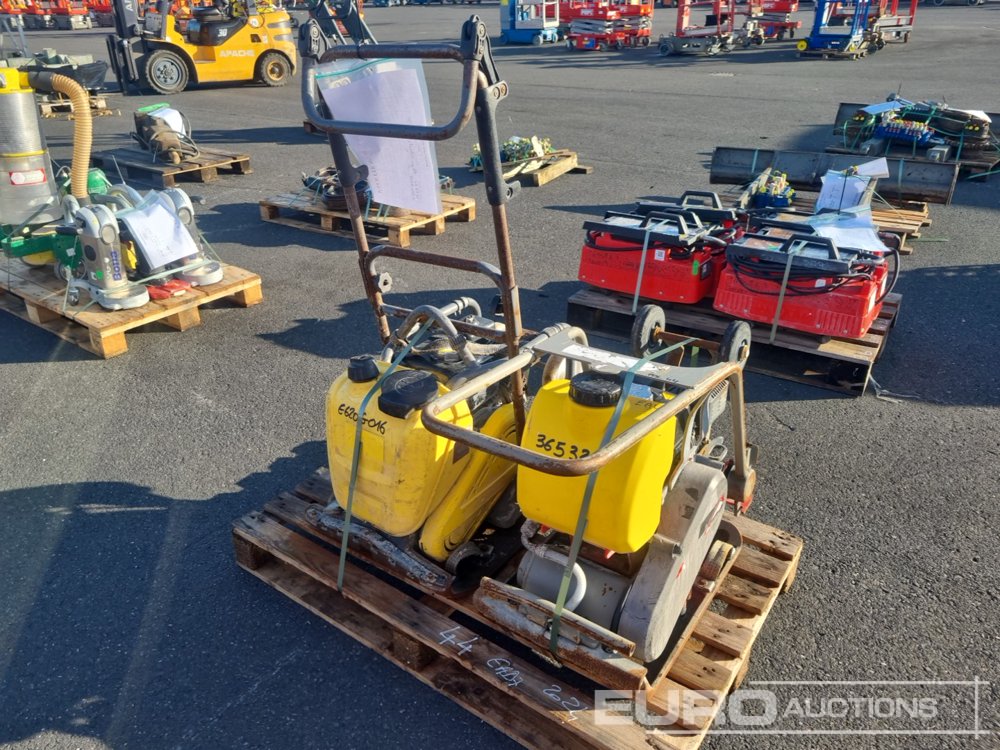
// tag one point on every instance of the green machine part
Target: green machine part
(41, 240)
(38, 240)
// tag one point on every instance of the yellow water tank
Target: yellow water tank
(404, 471)
(568, 420)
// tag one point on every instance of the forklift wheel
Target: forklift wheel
(273, 69)
(666, 48)
(166, 72)
(648, 321)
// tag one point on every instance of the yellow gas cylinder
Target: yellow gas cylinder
(568, 420)
(404, 471)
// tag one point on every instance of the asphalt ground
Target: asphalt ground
(124, 621)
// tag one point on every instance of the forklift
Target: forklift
(227, 42)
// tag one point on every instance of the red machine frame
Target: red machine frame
(776, 18)
(627, 21)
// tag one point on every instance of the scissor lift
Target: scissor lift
(856, 28)
(716, 35)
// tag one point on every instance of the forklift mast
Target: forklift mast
(128, 25)
(331, 15)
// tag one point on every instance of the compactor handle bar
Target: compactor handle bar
(470, 71)
(473, 54)
(576, 467)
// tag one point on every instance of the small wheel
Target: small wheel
(644, 41)
(166, 72)
(758, 40)
(569, 44)
(735, 346)
(937, 3)
(536, 40)
(648, 321)
(62, 272)
(667, 48)
(791, 33)
(273, 69)
(602, 46)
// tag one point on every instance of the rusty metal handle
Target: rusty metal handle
(577, 467)
(470, 69)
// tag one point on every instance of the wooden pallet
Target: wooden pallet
(63, 108)
(542, 170)
(905, 219)
(36, 295)
(138, 164)
(451, 648)
(303, 211)
(839, 364)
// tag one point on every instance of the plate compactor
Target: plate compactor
(577, 495)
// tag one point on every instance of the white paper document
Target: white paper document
(842, 191)
(877, 168)
(158, 231)
(401, 172)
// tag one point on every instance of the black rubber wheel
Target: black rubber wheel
(273, 69)
(735, 346)
(648, 320)
(666, 48)
(166, 72)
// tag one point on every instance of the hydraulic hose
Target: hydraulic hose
(83, 125)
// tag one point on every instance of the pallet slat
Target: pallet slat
(430, 628)
(526, 699)
(35, 295)
(302, 211)
(541, 170)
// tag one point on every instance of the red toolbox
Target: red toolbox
(683, 259)
(829, 292)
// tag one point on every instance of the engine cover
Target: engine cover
(691, 514)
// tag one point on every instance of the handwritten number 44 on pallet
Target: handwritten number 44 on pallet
(449, 636)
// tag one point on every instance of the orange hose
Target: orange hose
(83, 132)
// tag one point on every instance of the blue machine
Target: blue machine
(529, 21)
(840, 29)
